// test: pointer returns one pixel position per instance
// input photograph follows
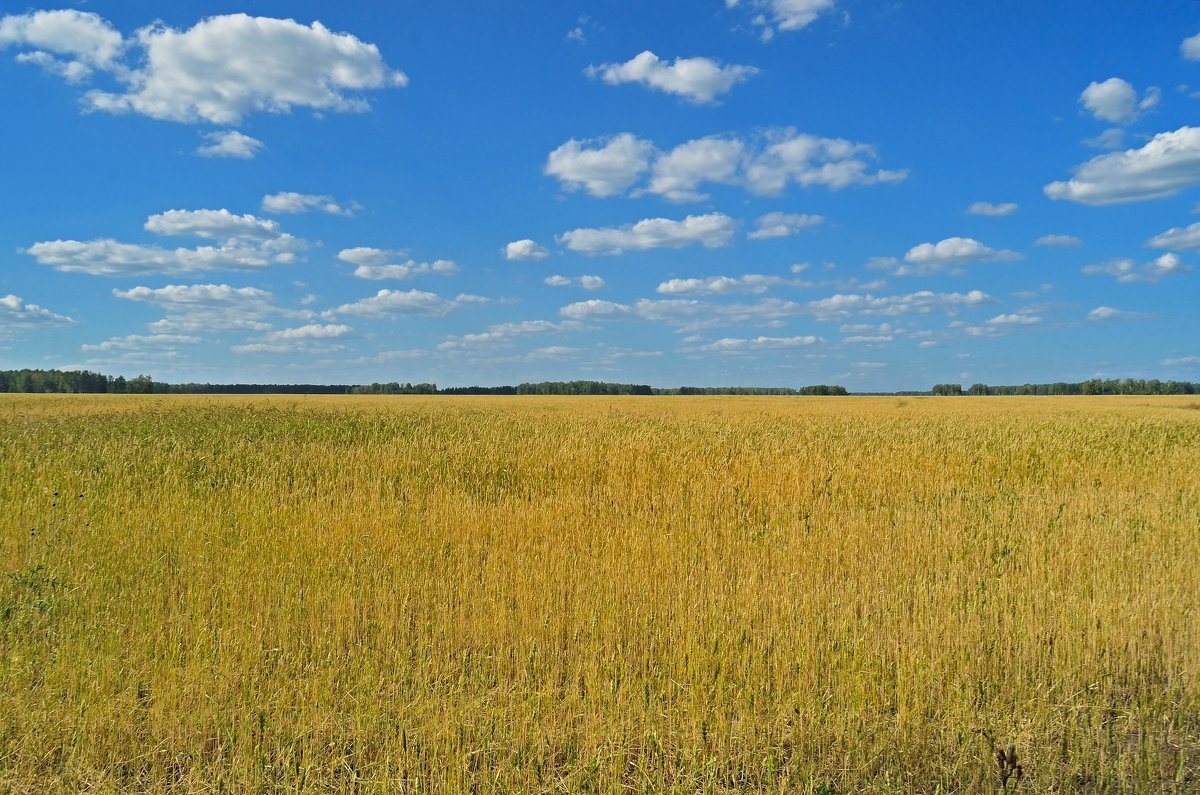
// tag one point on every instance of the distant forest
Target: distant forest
(83, 381)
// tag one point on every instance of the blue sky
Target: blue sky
(762, 192)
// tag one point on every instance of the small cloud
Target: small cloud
(992, 210)
(288, 203)
(783, 224)
(229, 143)
(1181, 361)
(525, 250)
(699, 80)
(1112, 138)
(1109, 313)
(1059, 241)
(1126, 271)
(1116, 101)
(586, 282)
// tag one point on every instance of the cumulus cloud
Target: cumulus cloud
(1116, 101)
(247, 243)
(208, 308)
(525, 250)
(109, 257)
(212, 224)
(700, 80)
(313, 337)
(1177, 237)
(1189, 48)
(502, 334)
(1112, 138)
(229, 143)
(84, 41)
(807, 160)
(141, 342)
(735, 345)
(1126, 271)
(601, 166)
(400, 302)
(594, 309)
(1014, 320)
(1058, 241)
(751, 283)
(226, 67)
(287, 202)
(783, 15)
(1109, 313)
(946, 255)
(677, 174)
(586, 282)
(764, 166)
(783, 224)
(1167, 164)
(844, 306)
(992, 210)
(711, 231)
(15, 313)
(375, 263)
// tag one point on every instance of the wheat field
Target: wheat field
(607, 595)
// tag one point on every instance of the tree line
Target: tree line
(1093, 386)
(84, 381)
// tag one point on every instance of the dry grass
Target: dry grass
(598, 595)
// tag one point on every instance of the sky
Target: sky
(710, 192)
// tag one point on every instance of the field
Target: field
(711, 595)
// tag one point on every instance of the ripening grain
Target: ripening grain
(598, 595)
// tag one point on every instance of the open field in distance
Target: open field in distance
(695, 594)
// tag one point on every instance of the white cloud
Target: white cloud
(785, 15)
(109, 257)
(212, 224)
(586, 282)
(1116, 101)
(1112, 138)
(208, 308)
(15, 313)
(603, 166)
(229, 143)
(732, 345)
(700, 80)
(1181, 361)
(591, 282)
(312, 337)
(1109, 313)
(141, 342)
(783, 224)
(1127, 271)
(1189, 48)
(764, 166)
(399, 302)
(557, 281)
(752, 283)
(677, 174)
(711, 231)
(926, 259)
(1059, 241)
(808, 160)
(288, 202)
(226, 67)
(839, 307)
(1177, 237)
(1168, 164)
(992, 210)
(523, 250)
(594, 309)
(502, 334)
(1014, 320)
(86, 41)
(373, 263)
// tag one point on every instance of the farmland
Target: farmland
(660, 594)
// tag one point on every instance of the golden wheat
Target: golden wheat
(599, 595)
